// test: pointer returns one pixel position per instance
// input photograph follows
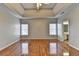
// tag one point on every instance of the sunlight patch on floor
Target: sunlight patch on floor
(65, 53)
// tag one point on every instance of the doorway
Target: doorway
(66, 30)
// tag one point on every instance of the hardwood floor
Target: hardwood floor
(39, 47)
(13, 50)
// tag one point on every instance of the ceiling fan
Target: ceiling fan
(38, 5)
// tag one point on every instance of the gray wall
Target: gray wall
(38, 28)
(9, 27)
(73, 18)
(74, 27)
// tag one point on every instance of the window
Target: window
(52, 29)
(24, 29)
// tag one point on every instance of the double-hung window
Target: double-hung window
(52, 29)
(24, 29)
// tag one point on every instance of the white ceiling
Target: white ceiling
(15, 7)
(30, 6)
(30, 9)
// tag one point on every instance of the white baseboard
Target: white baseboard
(39, 38)
(73, 46)
(8, 45)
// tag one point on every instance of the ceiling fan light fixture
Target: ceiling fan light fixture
(40, 4)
